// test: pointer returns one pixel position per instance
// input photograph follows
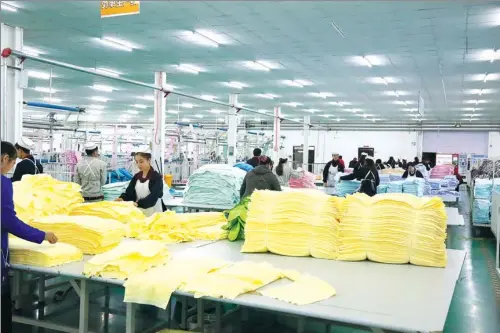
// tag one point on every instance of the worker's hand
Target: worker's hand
(51, 237)
(135, 204)
(118, 199)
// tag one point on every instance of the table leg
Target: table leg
(301, 325)
(201, 315)
(83, 326)
(377, 330)
(130, 318)
(16, 289)
(218, 316)
(41, 288)
(184, 313)
(328, 328)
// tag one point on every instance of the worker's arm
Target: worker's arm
(40, 167)
(156, 192)
(19, 172)
(11, 223)
(419, 174)
(78, 179)
(325, 172)
(350, 176)
(129, 194)
(405, 174)
(243, 186)
(104, 174)
(275, 184)
(341, 167)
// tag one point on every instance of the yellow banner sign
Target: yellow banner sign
(119, 8)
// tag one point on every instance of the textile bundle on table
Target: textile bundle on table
(127, 259)
(484, 187)
(114, 190)
(295, 223)
(395, 187)
(451, 181)
(481, 210)
(382, 188)
(122, 211)
(119, 175)
(434, 183)
(91, 234)
(214, 184)
(244, 166)
(440, 171)
(393, 228)
(45, 255)
(345, 187)
(42, 195)
(384, 178)
(415, 186)
(302, 179)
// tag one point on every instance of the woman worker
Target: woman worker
(260, 178)
(283, 172)
(10, 224)
(91, 174)
(27, 165)
(146, 188)
(331, 169)
(368, 175)
(412, 172)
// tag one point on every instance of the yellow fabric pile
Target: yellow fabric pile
(42, 195)
(127, 259)
(211, 233)
(396, 171)
(158, 289)
(175, 228)
(296, 223)
(45, 255)
(393, 228)
(91, 234)
(123, 211)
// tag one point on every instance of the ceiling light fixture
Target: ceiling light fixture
(186, 120)
(140, 106)
(235, 84)
(385, 81)
(262, 111)
(172, 111)
(46, 90)
(31, 51)
(117, 43)
(102, 87)
(292, 104)
(8, 7)
(39, 75)
(99, 99)
(52, 99)
(187, 105)
(267, 96)
(256, 65)
(297, 83)
(336, 103)
(147, 97)
(366, 61)
(132, 111)
(108, 71)
(204, 37)
(198, 116)
(322, 94)
(208, 97)
(481, 92)
(495, 55)
(96, 106)
(216, 111)
(188, 68)
(485, 77)
(312, 110)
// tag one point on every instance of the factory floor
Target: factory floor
(475, 307)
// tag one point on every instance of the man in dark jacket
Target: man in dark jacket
(254, 161)
(27, 166)
(353, 162)
(260, 178)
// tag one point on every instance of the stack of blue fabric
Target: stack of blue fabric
(346, 187)
(114, 190)
(414, 186)
(395, 177)
(384, 178)
(382, 188)
(244, 166)
(214, 184)
(427, 189)
(119, 175)
(481, 211)
(451, 181)
(483, 188)
(435, 184)
(395, 187)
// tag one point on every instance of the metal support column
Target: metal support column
(276, 134)
(158, 138)
(83, 326)
(114, 155)
(305, 152)
(232, 131)
(130, 318)
(11, 93)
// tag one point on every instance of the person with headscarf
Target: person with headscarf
(392, 162)
(353, 162)
(361, 161)
(331, 169)
(260, 178)
(27, 165)
(283, 172)
(412, 172)
(368, 175)
(379, 165)
(91, 173)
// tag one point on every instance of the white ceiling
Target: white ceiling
(442, 50)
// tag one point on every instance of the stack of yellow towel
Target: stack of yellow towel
(122, 211)
(46, 255)
(42, 195)
(296, 223)
(127, 259)
(393, 228)
(90, 234)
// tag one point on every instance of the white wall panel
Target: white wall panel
(494, 144)
(450, 142)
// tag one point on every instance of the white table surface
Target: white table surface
(179, 202)
(398, 297)
(454, 218)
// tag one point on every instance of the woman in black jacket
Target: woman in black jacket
(260, 178)
(368, 175)
(412, 172)
(146, 188)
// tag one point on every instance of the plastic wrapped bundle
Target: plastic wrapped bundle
(451, 181)
(440, 171)
(435, 184)
(395, 177)
(127, 259)
(481, 211)
(427, 189)
(395, 187)
(384, 178)
(483, 188)
(43, 255)
(42, 195)
(114, 190)
(91, 234)
(393, 228)
(280, 222)
(124, 212)
(302, 179)
(415, 186)
(244, 166)
(382, 188)
(215, 184)
(345, 187)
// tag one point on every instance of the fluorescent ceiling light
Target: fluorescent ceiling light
(187, 105)
(297, 83)
(325, 115)
(46, 90)
(485, 77)
(257, 65)
(381, 80)
(208, 97)
(188, 68)
(147, 97)
(140, 106)
(90, 111)
(322, 94)
(116, 43)
(132, 111)
(475, 101)
(480, 92)
(31, 51)
(169, 87)
(221, 119)
(96, 106)
(354, 110)
(338, 103)
(410, 109)
(216, 111)
(99, 99)
(495, 54)
(267, 96)
(262, 111)
(235, 84)
(102, 87)
(108, 71)
(52, 99)
(338, 120)
(366, 61)
(198, 116)
(204, 37)
(39, 75)
(292, 104)
(311, 110)
(9, 8)
(172, 111)
(240, 105)
(304, 82)
(187, 120)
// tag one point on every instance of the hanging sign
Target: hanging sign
(119, 8)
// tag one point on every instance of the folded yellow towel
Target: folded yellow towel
(45, 255)
(123, 211)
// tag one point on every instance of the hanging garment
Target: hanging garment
(142, 191)
(332, 172)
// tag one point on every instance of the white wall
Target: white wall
(452, 142)
(494, 144)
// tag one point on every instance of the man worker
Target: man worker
(254, 161)
(91, 174)
(27, 165)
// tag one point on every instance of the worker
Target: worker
(146, 187)
(412, 172)
(27, 165)
(10, 224)
(379, 165)
(416, 161)
(361, 161)
(254, 161)
(91, 174)
(427, 164)
(260, 178)
(353, 162)
(341, 161)
(391, 162)
(368, 175)
(283, 172)
(331, 169)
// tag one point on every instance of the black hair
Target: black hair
(416, 160)
(9, 150)
(279, 168)
(132, 154)
(378, 161)
(89, 152)
(340, 156)
(410, 165)
(26, 151)
(257, 152)
(391, 158)
(144, 155)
